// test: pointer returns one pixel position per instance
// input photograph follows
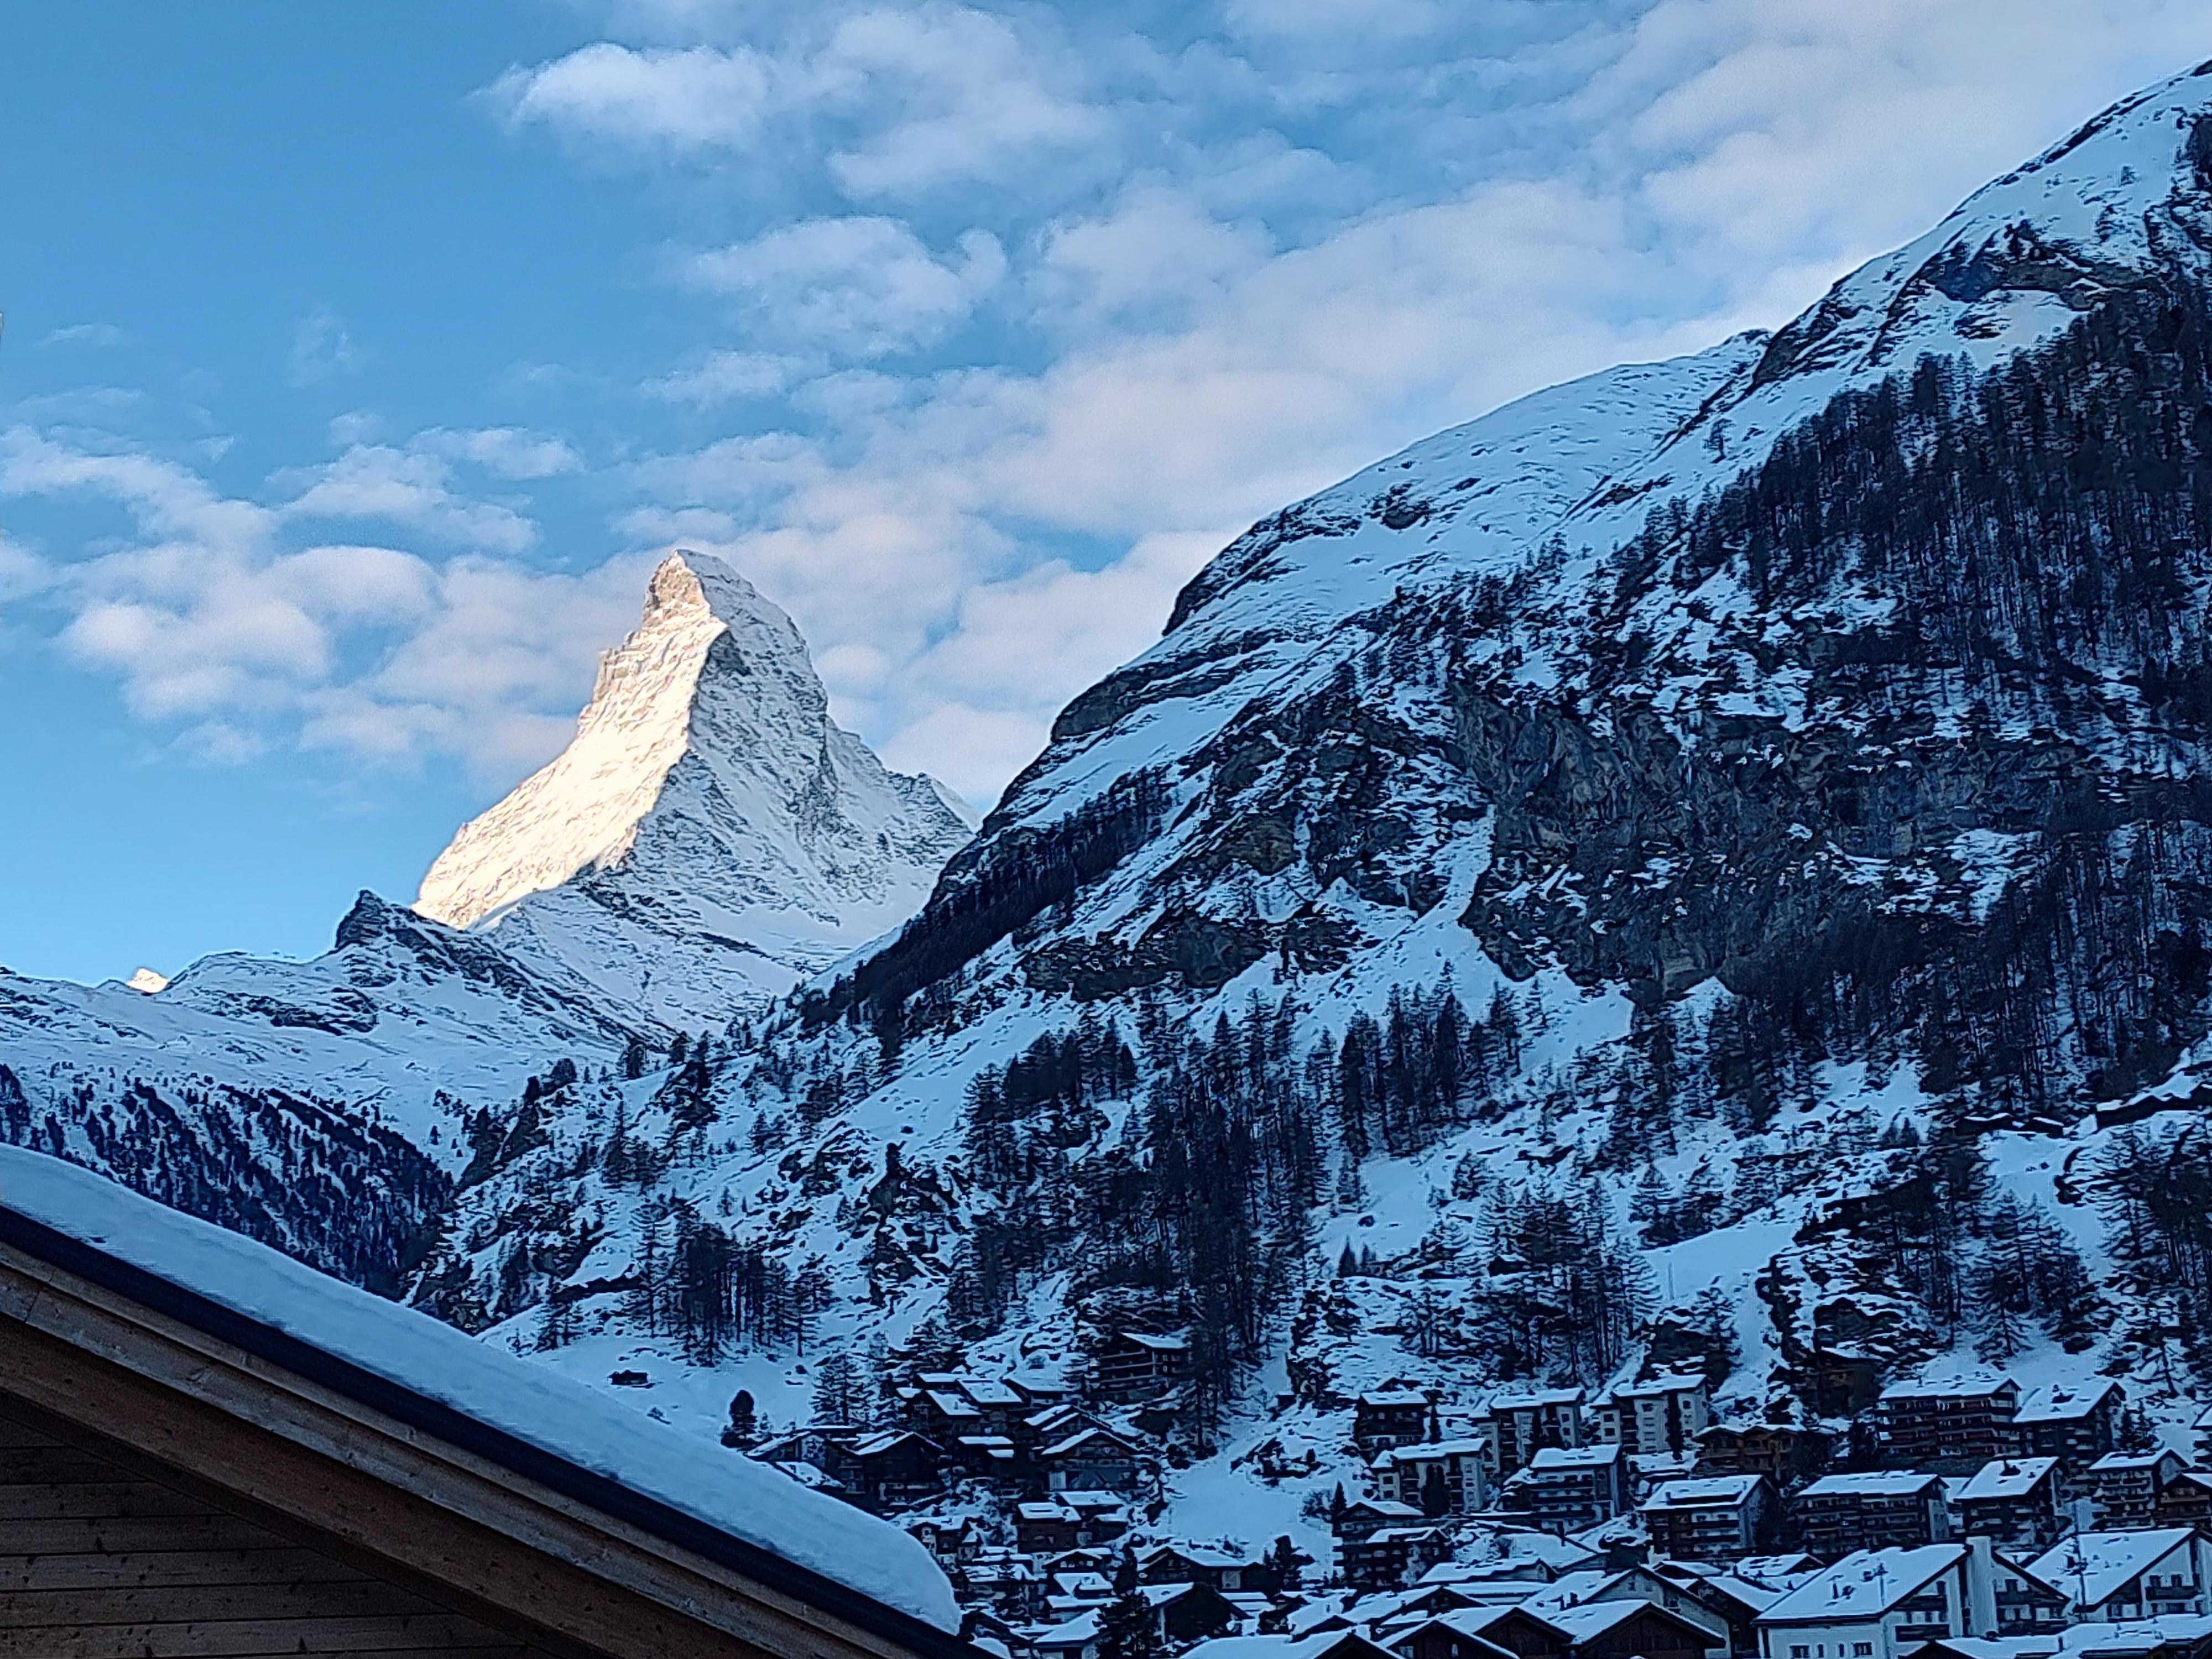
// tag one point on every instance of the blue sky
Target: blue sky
(359, 361)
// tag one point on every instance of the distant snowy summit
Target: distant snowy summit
(710, 836)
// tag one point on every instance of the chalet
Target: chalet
(1183, 1614)
(1878, 1604)
(1727, 1602)
(2076, 1422)
(1190, 1564)
(1003, 1581)
(2124, 1486)
(1629, 1630)
(2016, 1501)
(1357, 1520)
(2186, 1500)
(1839, 1514)
(1718, 1518)
(1390, 1557)
(1396, 1417)
(1441, 1638)
(1404, 1474)
(949, 1539)
(1001, 1400)
(1484, 1633)
(943, 1413)
(1589, 1586)
(2201, 1427)
(815, 1446)
(1654, 1419)
(1070, 1521)
(1093, 1459)
(211, 1449)
(1525, 1422)
(1139, 1364)
(1565, 1489)
(2114, 1575)
(1776, 1451)
(991, 1457)
(2025, 1605)
(1951, 1425)
(890, 1469)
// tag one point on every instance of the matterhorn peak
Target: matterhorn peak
(707, 797)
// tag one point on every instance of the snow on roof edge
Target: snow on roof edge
(530, 1403)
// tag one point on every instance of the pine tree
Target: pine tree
(743, 1426)
(1126, 1626)
(1436, 1492)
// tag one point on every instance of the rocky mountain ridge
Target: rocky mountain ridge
(711, 837)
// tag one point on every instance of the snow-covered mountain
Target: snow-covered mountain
(708, 836)
(711, 837)
(315, 1104)
(1706, 863)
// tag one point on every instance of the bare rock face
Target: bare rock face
(711, 837)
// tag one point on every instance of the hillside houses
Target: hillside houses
(1950, 1426)
(1654, 1419)
(1883, 1603)
(1393, 1417)
(1526, 1422)
(2125, 1487)
(1552, 1523)
(1874, 1510)
(2013, 1501)
(1130, 1365)
(2075, 1423)
(1417, 1474)
(1719, 1518)
(1565, 1489)
(2114, 1575)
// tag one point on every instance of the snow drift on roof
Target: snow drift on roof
(531, 1402)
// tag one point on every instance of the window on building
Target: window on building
(1799, 1650)
(1862, 1649)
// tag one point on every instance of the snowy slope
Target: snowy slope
(1431, 728)
(710, 836)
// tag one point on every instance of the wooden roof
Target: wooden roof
(197, 1398)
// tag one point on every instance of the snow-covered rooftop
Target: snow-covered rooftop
(2064, 1403)
(1534, 1398)
(1864, 1585)
(2092, 1567)
(1950, 1385)
(1708, 1493)
(1576, 1457)
(528, 1401)
(1871, 1483)
(2007, 1477)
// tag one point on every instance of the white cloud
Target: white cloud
(87, 334)
(506, 452)
(897, 100)
(405, 487)
(697, 98)
(213, 625)
(958, 96)
(858, 287)
(722, 377)
(322, 349)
